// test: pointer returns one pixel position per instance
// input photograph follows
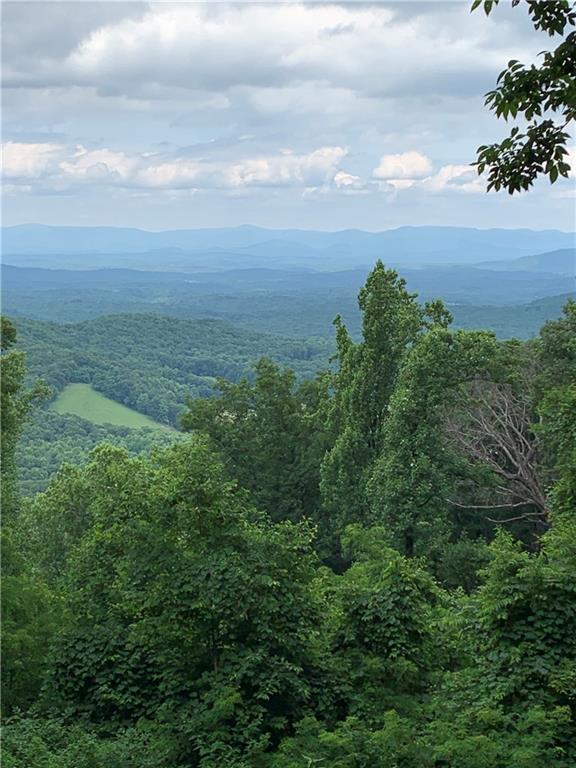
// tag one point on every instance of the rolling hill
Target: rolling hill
(152, 363)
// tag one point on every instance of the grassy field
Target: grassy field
(81, 400)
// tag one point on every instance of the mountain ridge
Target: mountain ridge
(403, 245)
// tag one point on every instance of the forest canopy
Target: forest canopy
(372, 566)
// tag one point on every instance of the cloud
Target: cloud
(413, 170)
(408, 165)
(459, 178)
(28, 160)
(371, 49)
(37, 33)
(60, 166)
(348, 181)
(98, 165)
(281, 170)
(380, 105)
(57, 167)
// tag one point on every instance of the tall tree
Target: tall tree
(363, 386)
(28, 607)
(556, 406)
(416, 469)
(15, 402)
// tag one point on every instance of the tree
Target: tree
(545, 96)
(28, 607)
(384, 640)
(189, 608)
(416, 469)
(51, 525)
(31, 614)
(15, 403)
(556, 407)
(512, 703)
(32, 742)
(493, 427)
(363, 386)
(270, 435)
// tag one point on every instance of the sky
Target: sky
(325, 116)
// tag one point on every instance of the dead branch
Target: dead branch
(491, 425)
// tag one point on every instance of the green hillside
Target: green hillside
(50, 439)
(81, 400)
(151, 363)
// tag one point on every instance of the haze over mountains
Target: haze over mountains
(248, 246)
(291, 282)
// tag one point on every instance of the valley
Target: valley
(123, 343)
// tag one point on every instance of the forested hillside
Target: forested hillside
(51, 439)
(299, 302)
(369, 566)
(153, 363)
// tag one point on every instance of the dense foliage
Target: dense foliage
(51, 439)
(373, 567)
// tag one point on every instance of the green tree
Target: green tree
(188, 608)
(544, 96)
(28, 608)
(556, 405)
(270, 435)
(15, 402)
(45, 743)
(31, 615)
(383, 643)
(512, 704)
(417, 469)
(381, 621)
(363, 386)
(51, 525)
(394, 743)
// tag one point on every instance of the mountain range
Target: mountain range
(248, 246)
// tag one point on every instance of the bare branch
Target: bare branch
(491, 425)
(488, 506)
(531, 517)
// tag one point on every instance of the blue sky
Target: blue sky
(278, 114)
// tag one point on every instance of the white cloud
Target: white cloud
(57, 166)
(28, 160)
(407, 165)
(284, 169)
(157, 101)
(98, 165)
(400, 184)
(61, 166)
(343, 180)
(412, 170)
(461, 178)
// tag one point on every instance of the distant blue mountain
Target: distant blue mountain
(560, 262)
(248, 246)
(454, 283)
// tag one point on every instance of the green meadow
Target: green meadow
(81, 400)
